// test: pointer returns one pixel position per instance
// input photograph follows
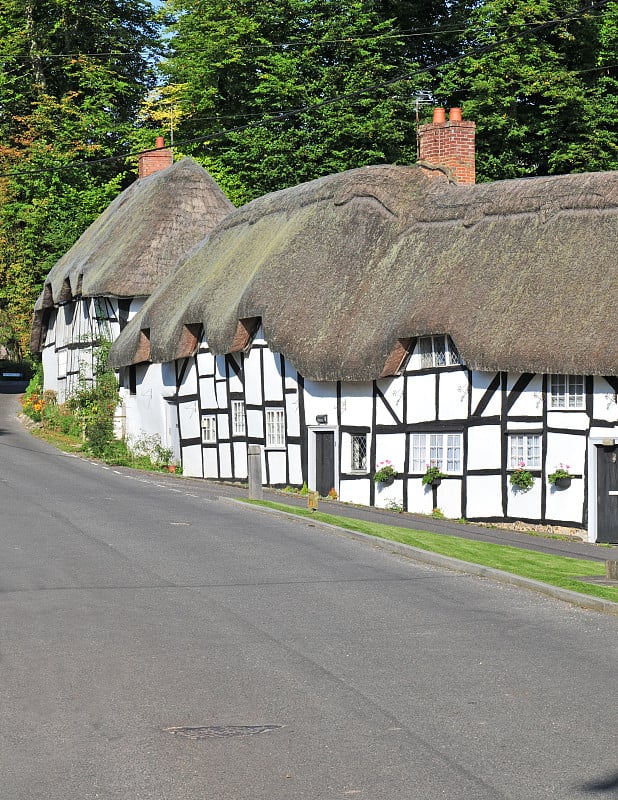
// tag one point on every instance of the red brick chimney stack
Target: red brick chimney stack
(449, 143)
(155, 160)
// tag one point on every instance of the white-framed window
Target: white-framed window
(525, 449)
(209, 429)
(437, 351)
(238, 418)
(442, 450)
(275, 427)
(358, 456)
(566, 391)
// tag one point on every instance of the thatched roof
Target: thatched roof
(522, 274)
(138, 240)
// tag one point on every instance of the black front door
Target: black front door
(607, 494)
(324, 462)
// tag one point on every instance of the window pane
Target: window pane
(425, 346)
(238, 418)
(576, 391)
(419, 459)
(453, 453)
(359, 452)
(454, 357)
(275, 428)
(435, 450)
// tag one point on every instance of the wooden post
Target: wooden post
(611, 570)
(312, 501)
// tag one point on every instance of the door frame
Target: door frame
(312, 430)
(593, 442)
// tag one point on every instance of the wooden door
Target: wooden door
(324, 461)
(607, 493)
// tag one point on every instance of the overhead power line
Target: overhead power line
(310, 107)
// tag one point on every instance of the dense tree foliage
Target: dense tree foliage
(71, 79)
(240, 63)
(268, 93)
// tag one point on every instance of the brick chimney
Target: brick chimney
(449, 143)
(155, 160)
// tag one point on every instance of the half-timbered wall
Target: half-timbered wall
(479, 422)
(74, 330)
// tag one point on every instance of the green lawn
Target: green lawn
(550, 569)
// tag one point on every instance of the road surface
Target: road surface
(157, 643)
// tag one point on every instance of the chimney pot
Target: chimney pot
(455, 115)
(438, 116)
(155, 160)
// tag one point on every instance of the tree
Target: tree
(71, 79)
(278, 68)
(530, 89)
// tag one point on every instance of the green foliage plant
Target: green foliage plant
(560, 472)
(432, 474)
(385, 472)
(521, 478)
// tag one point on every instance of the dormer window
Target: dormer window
(436, 351)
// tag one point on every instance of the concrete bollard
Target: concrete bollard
(611, 570)
(254, 468)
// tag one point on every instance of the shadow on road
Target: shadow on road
(604, 785)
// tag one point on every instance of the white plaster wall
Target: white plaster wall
(292, 416)
(421, 398)
(253, 386)
(530, 402)
(273, 382)
(240, 460)
(448, 497)
(391, 447)
(192, 461)
(144, 411)
(189, 381)
(220, 367)
(277, 463)
(189, 416)
(209, 455)
(355, 491)
(480, 384)
(206, 364)
(566, 504)
(604, 401)
(574, 420)
(50, 369)
(453, 395)
(392, 389)
(565, 449)
(320, 398)
(357, 405)
(223, 426)
(225, 460)
(208, 395)
(484, 496)
(387, 495)
(255, 423)
(484, 447)
(295, 465)
(525, 505)
(291, 376)
(420, 498)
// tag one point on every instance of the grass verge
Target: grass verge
(554, 570)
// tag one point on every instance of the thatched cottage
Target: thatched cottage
(136, 243)
(391, 314)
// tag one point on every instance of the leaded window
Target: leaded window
(359, 452)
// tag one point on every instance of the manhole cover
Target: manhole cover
(220, 731)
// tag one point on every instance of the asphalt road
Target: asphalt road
(299, 664)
